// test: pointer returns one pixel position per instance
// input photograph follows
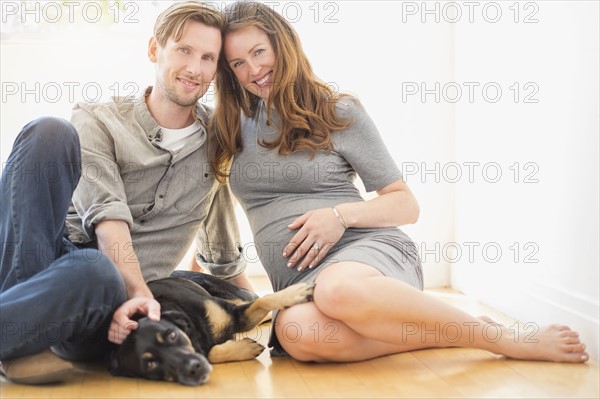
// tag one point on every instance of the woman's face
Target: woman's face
(249, 53)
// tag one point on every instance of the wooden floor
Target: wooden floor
(455, 373)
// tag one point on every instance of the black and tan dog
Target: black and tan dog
(200, 315)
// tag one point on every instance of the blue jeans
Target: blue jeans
(52, 293)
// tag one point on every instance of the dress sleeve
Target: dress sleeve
(362, 146)
(100, 194)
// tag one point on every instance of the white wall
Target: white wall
(543, 212)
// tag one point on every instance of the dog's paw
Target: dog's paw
(249, 348)
(235, 350)
(297, 293)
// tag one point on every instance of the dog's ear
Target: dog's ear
(180, 319)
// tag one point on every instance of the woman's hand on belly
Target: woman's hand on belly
(319, 230)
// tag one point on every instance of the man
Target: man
(144, 193)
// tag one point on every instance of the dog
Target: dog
(200, 315)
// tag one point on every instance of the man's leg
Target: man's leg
(50, 293)
(67, 307)
(101, 291)
(62, 307)
(37, 183)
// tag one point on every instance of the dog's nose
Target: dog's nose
(196, 367)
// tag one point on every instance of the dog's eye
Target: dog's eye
(172, 336)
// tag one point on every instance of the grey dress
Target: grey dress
(274, 190)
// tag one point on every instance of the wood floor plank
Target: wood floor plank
(330, 380)
(402, 376)
(227, 380)
(559, 379)
(287, 382)
(478, 374)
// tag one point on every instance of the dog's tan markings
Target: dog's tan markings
(187, 340)
(220, 320)
(159, 338)
(292, 295)
(147, 356)
(236, 301)
(233, 351)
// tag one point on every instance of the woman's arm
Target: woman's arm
(394, 206)
(320, 229)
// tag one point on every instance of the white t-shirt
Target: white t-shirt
(175, 139)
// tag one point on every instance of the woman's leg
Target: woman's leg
(378, 315)
(309, 335)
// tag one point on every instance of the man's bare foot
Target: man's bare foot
(554, 343)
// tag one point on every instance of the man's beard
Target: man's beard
(174, 98)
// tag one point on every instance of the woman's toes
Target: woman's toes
(570, 340)
(577, 348)
(560, 327)
(569, 333)
(577, 357)
(487, 319)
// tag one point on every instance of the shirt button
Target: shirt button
(161, 196)
(142, 221)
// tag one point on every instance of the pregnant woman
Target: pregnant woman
(291, 149)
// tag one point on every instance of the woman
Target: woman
(291, 160)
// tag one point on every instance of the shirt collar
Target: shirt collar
(145, 117)
(153, 130)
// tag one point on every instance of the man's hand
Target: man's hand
(114, 240)
(122, 325)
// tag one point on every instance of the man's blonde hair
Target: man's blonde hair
(171, 21)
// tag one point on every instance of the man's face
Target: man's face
(184, 69)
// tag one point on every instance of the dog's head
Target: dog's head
(161, 350)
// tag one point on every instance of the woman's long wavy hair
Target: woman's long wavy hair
(306, 105)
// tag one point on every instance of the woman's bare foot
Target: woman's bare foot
(554, 343)
(487, 320)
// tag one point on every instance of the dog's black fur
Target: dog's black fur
(200, 315)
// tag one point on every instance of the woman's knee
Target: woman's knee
(305, 335)
(339, 294)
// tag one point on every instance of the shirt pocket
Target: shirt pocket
(191, 189)
(141, 187)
